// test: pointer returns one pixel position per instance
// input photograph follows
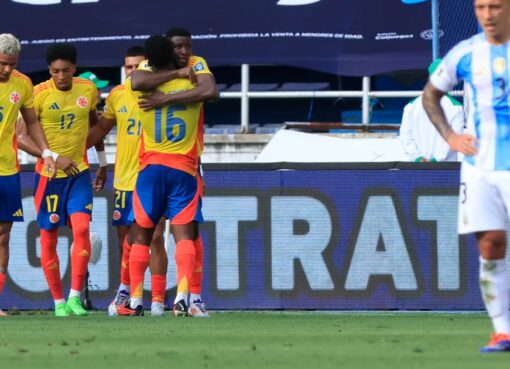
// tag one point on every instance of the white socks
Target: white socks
(494, 288)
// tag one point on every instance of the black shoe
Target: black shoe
(180, 308)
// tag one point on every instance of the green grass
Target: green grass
(249, 340)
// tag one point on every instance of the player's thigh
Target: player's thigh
(149, 196)
(481, 206)
(11, 209)
(79, 196)
(50, 198)
(122, 207)
(184, 204)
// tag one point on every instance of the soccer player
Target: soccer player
(167, 181)
(16, 96)
(484, 199)
(66, 106)
(121, 110)
(196, 69)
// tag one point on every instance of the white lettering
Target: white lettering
(380, 227)
(288, 247)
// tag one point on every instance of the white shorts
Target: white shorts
(484, 197)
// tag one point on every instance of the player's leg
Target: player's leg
(5, 230)
(196, 305)
(158, 267)
(50, 208)
(482, 211)
(184, 208)
(79, 208)
(121, 221)
(148, 208)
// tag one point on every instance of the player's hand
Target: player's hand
(50, 166)
(67, 165)
(464, 143)
(100, 180)
(154, 100)
(188, 72)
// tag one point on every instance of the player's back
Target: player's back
(170, 132)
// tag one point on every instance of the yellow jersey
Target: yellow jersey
(169, 133)
(64, 116)
(199, 66)
(15, 94)
(122, 107)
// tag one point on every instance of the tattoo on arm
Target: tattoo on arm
(431, 103)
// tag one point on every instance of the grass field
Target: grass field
(249, 340)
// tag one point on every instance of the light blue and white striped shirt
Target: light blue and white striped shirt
(484, 68)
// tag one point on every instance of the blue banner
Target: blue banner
(343, 37)
(295, 239)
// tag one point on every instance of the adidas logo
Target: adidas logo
(54, 106)
(122, 109)
(18, 213)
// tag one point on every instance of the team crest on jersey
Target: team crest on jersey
(116, 215)
(14, 97)
(499, 65)
(198, 67)
(54, 218)
(82, 101)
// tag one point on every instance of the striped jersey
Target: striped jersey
(169, 133)
(64, 116)
(121, 107)
(15, 94)
(484, 68)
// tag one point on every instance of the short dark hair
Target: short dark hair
(178, 31)
(63, 51)
(134, 51)
(158, 51)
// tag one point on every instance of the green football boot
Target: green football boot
(62, 309)
(75, 306)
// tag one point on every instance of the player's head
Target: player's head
(61, 58)
(158, 51)
(9, 52)
(134, 56)
(181, 45)
(494, 18)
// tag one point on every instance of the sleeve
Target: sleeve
(144, 65)
(28, 101)
(94, 96)
(406, 134)
(447, 75)
(109, 107)
(38, 98)
(199, 65)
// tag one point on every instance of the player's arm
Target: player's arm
(206, 90)
(142, 80)
(100, 179)
(463, 143)
(27, 143)
(99, 131)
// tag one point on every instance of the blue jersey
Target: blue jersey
(484, 68)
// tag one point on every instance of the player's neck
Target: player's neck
(498, 39)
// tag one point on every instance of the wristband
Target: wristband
(101, 156)
(46, 153)
(55, 156)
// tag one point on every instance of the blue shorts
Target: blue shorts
(57, 199)
(11, 209)
(163, 191)
(123, 205)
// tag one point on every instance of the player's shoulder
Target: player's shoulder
(45, 86)
(465, 47)
(197, 63)
(117, 90)
(83, 82)
(17, 75)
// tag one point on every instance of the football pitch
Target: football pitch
(249, 340)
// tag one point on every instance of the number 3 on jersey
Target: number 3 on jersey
(175, 128)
